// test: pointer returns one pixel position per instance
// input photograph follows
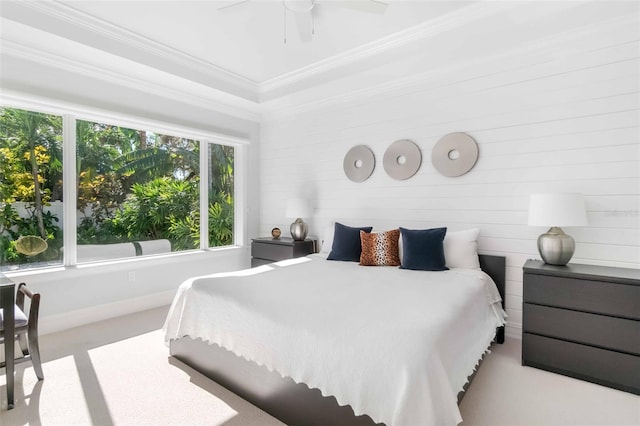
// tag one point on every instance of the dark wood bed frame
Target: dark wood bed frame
(292, 403)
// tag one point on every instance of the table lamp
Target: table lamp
(299, 208)
(556, 210)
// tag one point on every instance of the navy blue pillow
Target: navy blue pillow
(346, 243)
(423, 249)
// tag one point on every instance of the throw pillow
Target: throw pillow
(380, 249)
(461, 249)
(423, 249)
(346, 243)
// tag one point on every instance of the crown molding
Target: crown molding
(201, 71)
(176, 89)
(281, 85)
(200, 83)
(212, 75)
(551, 45)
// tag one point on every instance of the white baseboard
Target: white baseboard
(60, 322)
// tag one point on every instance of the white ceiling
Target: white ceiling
(248, 39)
(235, 60)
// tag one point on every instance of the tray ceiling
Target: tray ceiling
(248, 39)
(239, 51)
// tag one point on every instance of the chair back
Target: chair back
(34, 307)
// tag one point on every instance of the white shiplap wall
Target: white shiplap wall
(558, 116)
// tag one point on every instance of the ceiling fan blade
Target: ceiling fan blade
(238, 3)
(304, 22)
(371, 6)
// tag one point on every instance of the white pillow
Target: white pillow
(327, 238)
(461, 249)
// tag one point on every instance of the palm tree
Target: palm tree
(221, 163)
(162, 155)
(29, 131)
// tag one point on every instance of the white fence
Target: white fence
(25, 210)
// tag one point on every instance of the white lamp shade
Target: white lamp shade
(298, 208)
(557, 210)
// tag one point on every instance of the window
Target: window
(137, 191)
(30, 188)
(221, 192)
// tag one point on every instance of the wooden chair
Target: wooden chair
(26, 330)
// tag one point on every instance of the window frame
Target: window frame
(70, 113)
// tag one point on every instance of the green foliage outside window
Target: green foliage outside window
(30, 172)
(132, 185)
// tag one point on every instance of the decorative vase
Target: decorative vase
(299, 230)
(556, 247)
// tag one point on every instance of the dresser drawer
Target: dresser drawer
(259, 262)
(621, 300)
(273, 252)
(609, 368)
(592, 329)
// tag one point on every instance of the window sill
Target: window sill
(174, 257)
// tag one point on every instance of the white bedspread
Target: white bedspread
(395, 344)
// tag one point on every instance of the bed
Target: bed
(312, 341)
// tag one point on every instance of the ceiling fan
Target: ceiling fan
(304, 11)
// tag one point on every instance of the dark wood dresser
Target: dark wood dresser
(583, 321)
(268, 250)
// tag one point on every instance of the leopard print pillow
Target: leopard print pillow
(380, 249)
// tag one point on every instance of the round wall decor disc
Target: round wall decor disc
(402, 159)
(359, 163)
(454, 154)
